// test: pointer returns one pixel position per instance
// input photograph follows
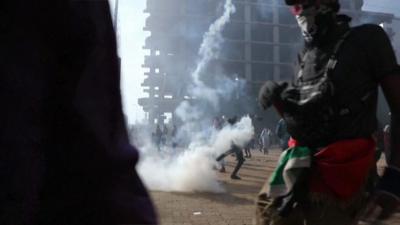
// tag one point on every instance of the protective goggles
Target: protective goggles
(302, 2)
(298, 6)
(310, 2)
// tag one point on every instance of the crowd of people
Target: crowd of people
(165, 137)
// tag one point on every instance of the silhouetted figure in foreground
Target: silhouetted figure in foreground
(65, 157)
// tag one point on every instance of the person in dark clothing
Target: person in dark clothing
(164, 135)
(239, 158)
(174, 137)
(330, 111)
(233, 150)
(282, 134)
(247, 148)
(158, 137)
(65, 157)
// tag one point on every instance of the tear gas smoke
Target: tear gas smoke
(209, 50)
(190, 169)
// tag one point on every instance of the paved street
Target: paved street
(234, 207)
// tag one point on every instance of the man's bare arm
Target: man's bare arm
(386, 198)
(391, 88)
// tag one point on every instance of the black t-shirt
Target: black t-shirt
(364, 59)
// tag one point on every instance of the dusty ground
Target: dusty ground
(234, 207)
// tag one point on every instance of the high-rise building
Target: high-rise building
(260, 43)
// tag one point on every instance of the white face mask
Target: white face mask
(306, 20)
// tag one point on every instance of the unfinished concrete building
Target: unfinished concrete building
(261, 41)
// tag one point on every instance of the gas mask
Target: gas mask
(314, 18)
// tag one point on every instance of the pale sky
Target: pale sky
(131, 20)
(389, 6)
(131, 37)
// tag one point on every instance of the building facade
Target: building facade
(260, 43)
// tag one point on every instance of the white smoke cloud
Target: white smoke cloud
(190, 168)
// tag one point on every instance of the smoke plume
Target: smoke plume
(210, 49)
(189, 168)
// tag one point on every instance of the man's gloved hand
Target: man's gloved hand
(269, 93)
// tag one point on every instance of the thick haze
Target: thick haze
(189, 166)
(180, 169)
(388, 6)
(131, 41)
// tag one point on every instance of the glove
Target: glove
(269, 93)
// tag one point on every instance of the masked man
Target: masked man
(330, 111)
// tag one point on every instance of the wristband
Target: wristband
(390, 181)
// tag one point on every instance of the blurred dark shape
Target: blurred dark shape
(232, 120)
(64, 151)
